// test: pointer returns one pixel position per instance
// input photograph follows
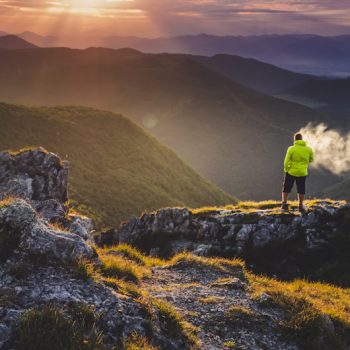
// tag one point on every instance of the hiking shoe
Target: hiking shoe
(284, 206)
(302, 209)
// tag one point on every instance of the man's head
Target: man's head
(298, 137)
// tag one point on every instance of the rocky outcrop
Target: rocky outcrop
(33, 237)
(230, 232)
(38, 267)
(282, 240)
(34, 174)
(41, 178)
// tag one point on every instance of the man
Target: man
(296, 165)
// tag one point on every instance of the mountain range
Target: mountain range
(255, 74)
(13, 42)
(312, 54)
(330, 95)
(232, 135)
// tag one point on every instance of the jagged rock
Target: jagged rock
(235, 233)
(37, 238)
(34, 174)
(49, 256)
(239, 230)
(106, 238)
(41, 178)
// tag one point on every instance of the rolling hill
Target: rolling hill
(232, 135)
(330, 95)
(254, 74)
(117, 169)
(13, 42)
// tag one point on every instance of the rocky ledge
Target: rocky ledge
(42, 266)
(55, 292)
(286, 244)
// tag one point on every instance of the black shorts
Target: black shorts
(289, 182)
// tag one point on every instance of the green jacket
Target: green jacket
(298, 158)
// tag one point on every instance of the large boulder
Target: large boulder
(34, 174)
(41, 178)
(35, 237)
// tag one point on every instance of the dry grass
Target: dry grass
(49, 328)
(175, 322)
(252, 206)
(230, 344)
(84, 269)
(305, 304)
(123, 287)
(119, 267)
(209, 209)
(132, 254)
(210, 300)
(7, 201)
(239, 313)
(23, 150)
(333, 301)
(220, 264)
(137, 342)
(56, 226)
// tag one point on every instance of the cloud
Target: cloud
(172, 17)
(331, 148)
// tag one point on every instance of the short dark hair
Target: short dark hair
(298, 136)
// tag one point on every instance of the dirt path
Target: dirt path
(218, 304)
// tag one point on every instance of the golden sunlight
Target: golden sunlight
(84, 4)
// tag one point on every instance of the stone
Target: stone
(41, 178)
(37, 238)
(234, 234)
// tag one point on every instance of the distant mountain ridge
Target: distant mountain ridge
(13, 42)
(254, 74)
(331, 95)
(305, 53)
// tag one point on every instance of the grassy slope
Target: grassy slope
(233, 136)
(305, 304)
(117, 169)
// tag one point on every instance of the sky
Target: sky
(155, 18)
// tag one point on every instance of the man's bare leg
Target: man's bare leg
(285, 197)
(284, 205)
(301, 202)
(301, 199)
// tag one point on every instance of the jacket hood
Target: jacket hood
(300, 143)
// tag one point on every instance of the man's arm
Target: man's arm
(287, 159)
(311, 155)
